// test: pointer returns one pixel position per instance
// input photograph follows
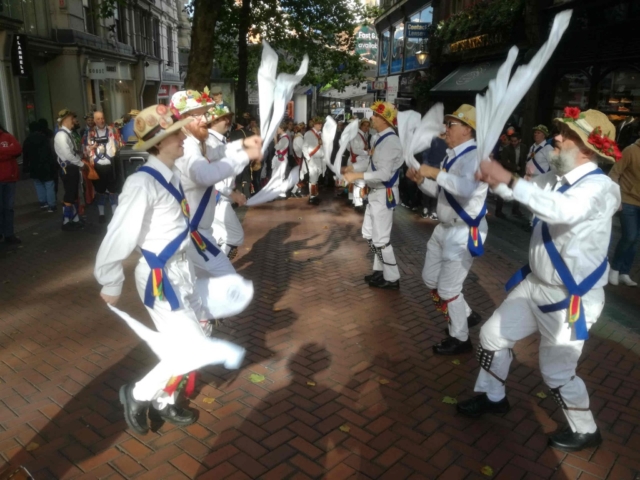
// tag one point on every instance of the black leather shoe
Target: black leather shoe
(452, 346)
(480, 404)
(314, 200)
(173, 414)
(473, 319)
(375, 276)
(384, 284)
(135, 412)
(569, 441)
(359, 209)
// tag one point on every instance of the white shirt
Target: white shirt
(310, 144)
(358, 147)
(543, 158)
(198, 173)
(102, 154)
(387, 158)
(579, 220)
(65, 147)
(148, 217)
(226, 185)
(460, 182)
(298, 141)
(282, 146)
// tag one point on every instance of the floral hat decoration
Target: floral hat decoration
(217, 112)
(595, 130)
(190, 102)
(385, 110)
(154, 124)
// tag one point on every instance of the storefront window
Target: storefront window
(573, 91)
(12, 9)
(384, 53)
(397, 48)
(619, 92)
(416, 39)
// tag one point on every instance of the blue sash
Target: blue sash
(533, 158)
(158, 284)
(576, 290)
(391, 199)
(201, 243)
(474, 242)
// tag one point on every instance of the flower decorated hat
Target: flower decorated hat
(217, 112)
(190, 102)
(316, 121)
(542, 128)
(386, 111)
(595, 130)
(154, 124)
(467, 115)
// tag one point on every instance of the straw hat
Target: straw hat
(216, 90)
(386, 111)
(154, 124)
(190, 102)
(466, 114)
(64, 113)
(217, 112)
(595, 130)
(316, 120)
(542, 128)
(134, 112)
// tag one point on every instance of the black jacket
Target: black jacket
(39, 157)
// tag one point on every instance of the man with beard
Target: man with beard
(560, 293)
(314, 154)
(382, 178)
(101, 143)
(198, 177)
(459, 236)
(227, 229)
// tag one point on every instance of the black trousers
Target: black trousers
(71, 181)
(107, 180)
(500, 203)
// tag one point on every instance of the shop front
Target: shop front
(165, 92)
(110, 88)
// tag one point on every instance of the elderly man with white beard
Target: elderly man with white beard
(560, 293)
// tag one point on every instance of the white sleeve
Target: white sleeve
(122, 235)
(389, 152)
(64, 150)
(463, 184)
(430, 187)
(358, 146)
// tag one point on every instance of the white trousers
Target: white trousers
(378, 220)
(183, 323)
(315, 170)
(213, 267)
(519, 317)
(277, 168)
(446, 266)
(357, 189)
(227, 229)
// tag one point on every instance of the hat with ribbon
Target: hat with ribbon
(541, 128)
(316, 120)
(190, 102)
(217, 112)
(154, 124)
(466, 114)
(595, 130)
(386, 111)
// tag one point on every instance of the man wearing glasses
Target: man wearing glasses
(462, 229)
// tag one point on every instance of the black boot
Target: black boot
(314, 200)
(472, 320)
(452, 346)
(476, 406)
(135, 412)
(375, 276)
(384, 284)
(569, 441)
(173, 414)
(359, 209)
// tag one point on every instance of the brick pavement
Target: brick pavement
(351, 388)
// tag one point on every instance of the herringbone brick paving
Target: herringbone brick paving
(351, 387)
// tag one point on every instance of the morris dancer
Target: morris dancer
(382, 178)
(298, 156)
(459, 236)
(101, 146)
(154, 216)
(314, 154)
(279, 162)
(539, 159)
(70, 161)
(359, 148)
(227, 229)
(560, 293)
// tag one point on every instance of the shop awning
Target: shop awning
(468, 78)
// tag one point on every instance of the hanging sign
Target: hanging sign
(19, 55)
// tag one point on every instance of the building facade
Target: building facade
(60, 54)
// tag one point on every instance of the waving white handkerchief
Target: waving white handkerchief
(348, 134)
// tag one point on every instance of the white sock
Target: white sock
(494, 398)
(76, 218)
(101, 210)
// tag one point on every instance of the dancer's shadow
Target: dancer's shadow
(286, 424)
